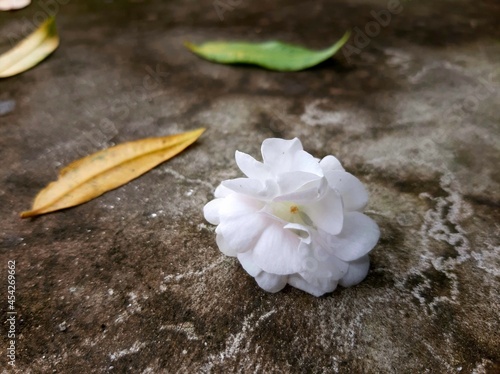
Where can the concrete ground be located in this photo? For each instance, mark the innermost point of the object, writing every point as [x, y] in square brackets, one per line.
[133, 281]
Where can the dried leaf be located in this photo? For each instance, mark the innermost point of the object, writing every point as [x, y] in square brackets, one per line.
[31, 50]
[108, 169]
[272, 55]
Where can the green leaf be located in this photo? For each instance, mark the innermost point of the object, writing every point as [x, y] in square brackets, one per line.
[31, 50]
[272, 55]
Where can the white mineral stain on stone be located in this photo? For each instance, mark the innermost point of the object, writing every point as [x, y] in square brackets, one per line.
[228, 114]
[314, 116]
[62, 326]
[335, 113]
[418, 76]
[235, 344]
[399, 58]
[443, 361]
[487, 259]
[136, 347]
[132, 308]
[447, 212]
[204, 226]
[481, 367]
[179, 176]
[193, 274]
[187, 328]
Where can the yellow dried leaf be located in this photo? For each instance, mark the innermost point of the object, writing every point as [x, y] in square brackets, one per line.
[108, 169]
[31, 50]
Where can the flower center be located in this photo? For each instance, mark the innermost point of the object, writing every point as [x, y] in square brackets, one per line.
[290, 212]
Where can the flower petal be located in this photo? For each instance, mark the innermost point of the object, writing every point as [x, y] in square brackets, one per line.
[311, 191]
[294, 181]
[301, 231]
[241, 233]
[297, 281]
[329, 163]
[322, 264]
[222, 191]
[211, 211]
[14, 4]
[245, 186]
[271, 282]
[251, 167]
[327, 213]
[240, 222]
[277, 153]
[276, 251]
[252, 187]
[357, 272]
[351, 189]
[247, 263]
[358, 237]
[237, 205]
[326, 284]
[303, 161]
[223, 246]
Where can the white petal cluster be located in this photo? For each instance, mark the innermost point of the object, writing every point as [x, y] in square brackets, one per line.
[13, 4]
[295, 219]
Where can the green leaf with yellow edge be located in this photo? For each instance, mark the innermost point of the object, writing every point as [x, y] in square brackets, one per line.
[91, 176]
[31, 50]
[271, 55]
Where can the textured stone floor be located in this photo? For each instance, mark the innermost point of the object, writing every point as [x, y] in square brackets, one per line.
[133, 281]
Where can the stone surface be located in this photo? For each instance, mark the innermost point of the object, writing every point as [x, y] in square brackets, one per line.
[133, 281]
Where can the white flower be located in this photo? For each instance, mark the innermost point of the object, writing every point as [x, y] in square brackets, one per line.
[294, 219]
[13, 4]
